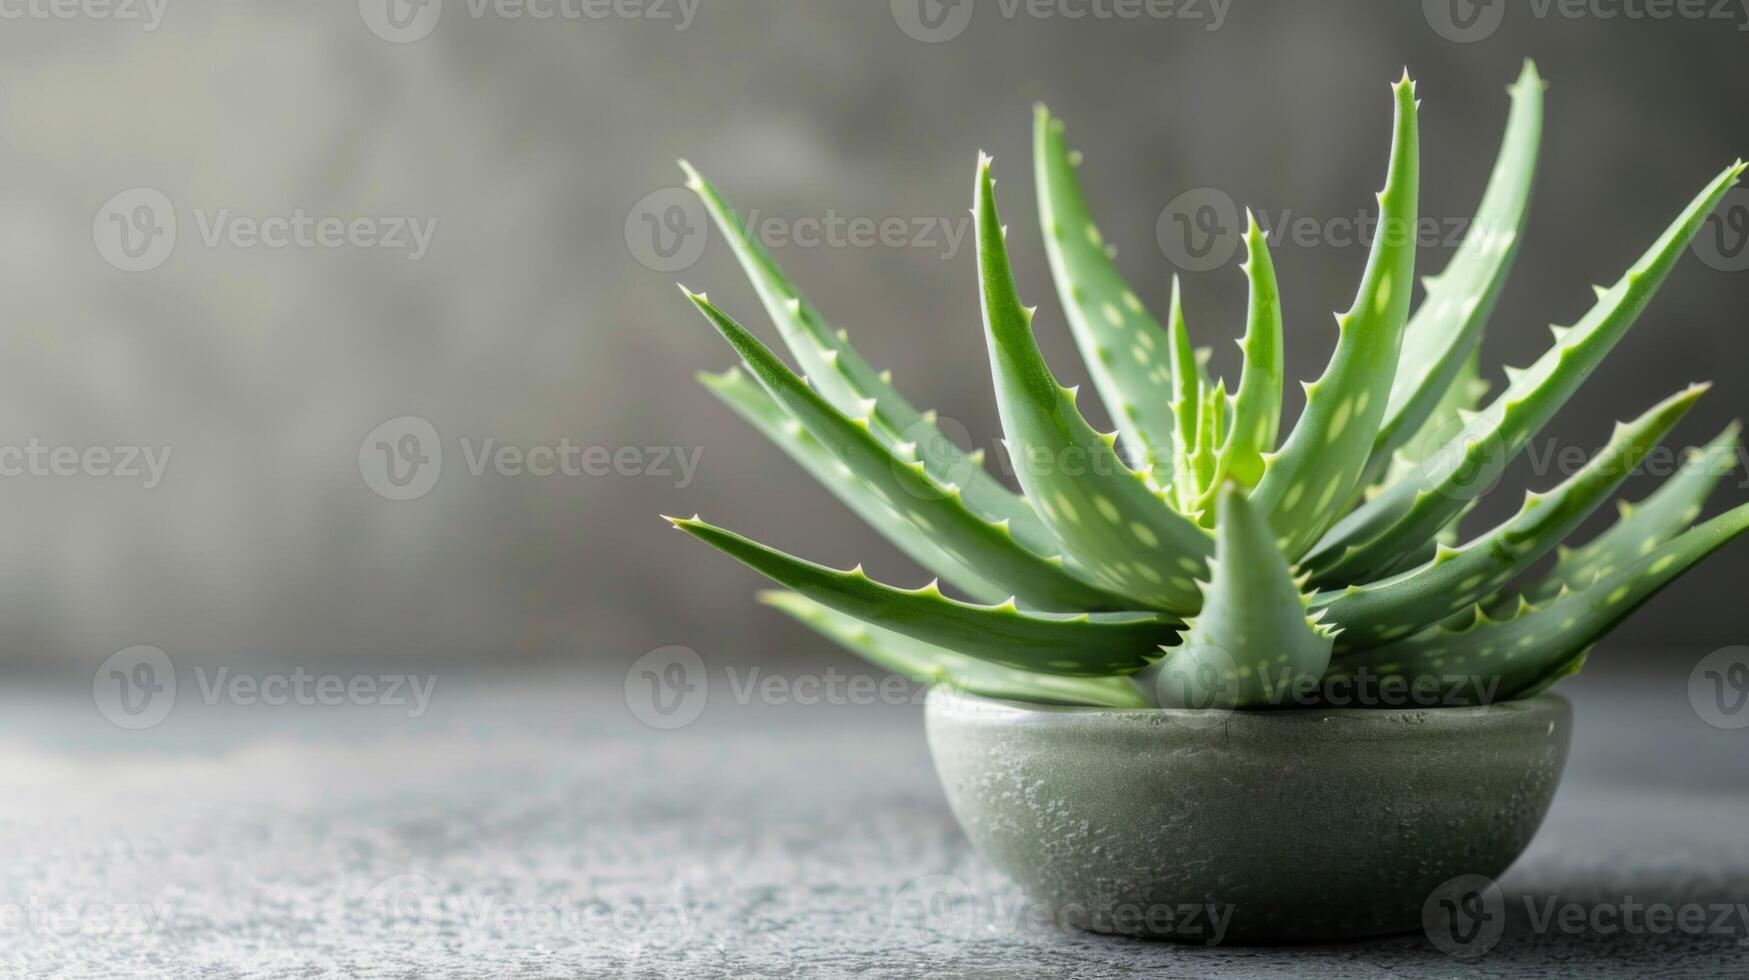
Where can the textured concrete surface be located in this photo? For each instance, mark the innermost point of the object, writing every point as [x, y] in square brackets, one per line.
[534, 827]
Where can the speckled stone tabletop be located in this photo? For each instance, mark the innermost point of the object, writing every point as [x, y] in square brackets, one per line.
[533, 826]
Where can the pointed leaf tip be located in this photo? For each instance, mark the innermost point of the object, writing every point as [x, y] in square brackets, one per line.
[694, 180]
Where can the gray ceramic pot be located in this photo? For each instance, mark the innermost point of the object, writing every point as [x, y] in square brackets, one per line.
[1294, 825]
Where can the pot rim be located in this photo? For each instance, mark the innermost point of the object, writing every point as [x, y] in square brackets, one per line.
[948, 700]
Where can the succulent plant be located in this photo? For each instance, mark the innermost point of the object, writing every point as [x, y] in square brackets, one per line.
[1211, 561]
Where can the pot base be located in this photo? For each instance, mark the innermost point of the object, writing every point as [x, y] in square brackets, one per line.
[1233, 826]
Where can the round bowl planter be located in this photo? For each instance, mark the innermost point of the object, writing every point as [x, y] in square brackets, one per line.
[1292, 826]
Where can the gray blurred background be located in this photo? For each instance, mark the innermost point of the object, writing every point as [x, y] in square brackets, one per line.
[538, 311]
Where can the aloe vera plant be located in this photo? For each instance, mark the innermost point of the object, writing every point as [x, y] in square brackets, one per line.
[1199, 556]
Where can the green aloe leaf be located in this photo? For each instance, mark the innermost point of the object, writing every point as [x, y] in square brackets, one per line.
[845, 379]
[1257, 404]
[759, 409]
[1376, 614]
[1191, 576]
[1122, 345]
[926, 663]
[1255, 641]
[1460, 401]
[1444, 332]
[1497, 660]
[1462, 398]
[1644, 526]
[1117, 529]
[1205, 460]
[1085, 645]
[1318, 470]
[905, 485]
[1188, 383]
[1414, 508]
